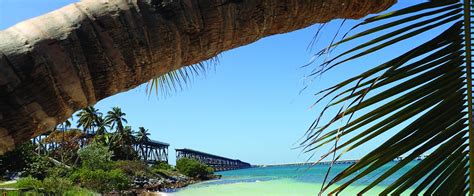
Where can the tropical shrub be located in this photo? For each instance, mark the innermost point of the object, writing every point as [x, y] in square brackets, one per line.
[193, 168]
[79, 191]
[132, 168]
[59, 171]
[100, 180]
[38, 167]
[165, 170]
[97, 173]
[118, 180]
[30, 183]
[95, 156]
[57, 185]
[162, 166]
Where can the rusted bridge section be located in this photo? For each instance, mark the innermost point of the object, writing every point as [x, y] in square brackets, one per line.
[217, 162]
[152, 151]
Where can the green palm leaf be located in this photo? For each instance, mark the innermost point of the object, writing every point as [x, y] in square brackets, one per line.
[176, 80]
[422, 97]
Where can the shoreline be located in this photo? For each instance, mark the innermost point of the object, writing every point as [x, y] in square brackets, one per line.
[171, 184]
[275, 181]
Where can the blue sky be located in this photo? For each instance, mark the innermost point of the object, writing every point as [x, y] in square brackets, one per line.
[248, 108]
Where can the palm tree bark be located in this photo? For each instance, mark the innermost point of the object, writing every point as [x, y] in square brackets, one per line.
[55, 64]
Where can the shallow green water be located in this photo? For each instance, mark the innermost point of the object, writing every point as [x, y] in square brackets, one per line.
[281, 180]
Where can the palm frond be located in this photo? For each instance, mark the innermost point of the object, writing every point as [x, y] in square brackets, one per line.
[171, 82]
[422, 99]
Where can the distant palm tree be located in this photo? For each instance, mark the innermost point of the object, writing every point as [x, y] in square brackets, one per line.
[101, 134]
[122, 143]
[141, 138]
[66, 124]
[127, 136]
[87, 118]
[142, 135]
[115, 118]
[101, 125]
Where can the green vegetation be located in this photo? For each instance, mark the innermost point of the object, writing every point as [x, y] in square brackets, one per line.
[78, 191]
[193, 168]
[165, 169]
[38, 167]
[95, 156]
[59, 171]
[30, 183]
[163, 166]
[49, 186]
[57, 185]
[100, 180]
[97, 172]
[135, 168]
[9, 185]
[108, 162]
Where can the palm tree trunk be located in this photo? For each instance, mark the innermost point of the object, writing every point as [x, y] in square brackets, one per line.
[142, 151]
[55, 64]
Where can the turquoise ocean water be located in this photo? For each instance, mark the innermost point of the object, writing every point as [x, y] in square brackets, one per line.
[282, 180]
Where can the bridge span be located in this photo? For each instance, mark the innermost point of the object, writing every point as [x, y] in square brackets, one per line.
[217, 162]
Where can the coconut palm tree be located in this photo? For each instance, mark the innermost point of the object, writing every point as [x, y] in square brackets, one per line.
[101, 125]
[87, 118]
[127, 135]
[55, 68]
[66, 125]
[116, 118]
[142, 137]
[122, 144]
[421, 99]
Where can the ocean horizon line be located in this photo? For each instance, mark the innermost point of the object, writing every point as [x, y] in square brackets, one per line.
[348, 161]
[344, 161]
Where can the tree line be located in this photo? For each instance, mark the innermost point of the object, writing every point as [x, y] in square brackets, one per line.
[110, 130]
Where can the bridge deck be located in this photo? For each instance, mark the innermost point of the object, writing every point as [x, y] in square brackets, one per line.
[219, 163]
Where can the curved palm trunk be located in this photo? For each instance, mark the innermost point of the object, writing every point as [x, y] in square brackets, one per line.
[52, 65]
